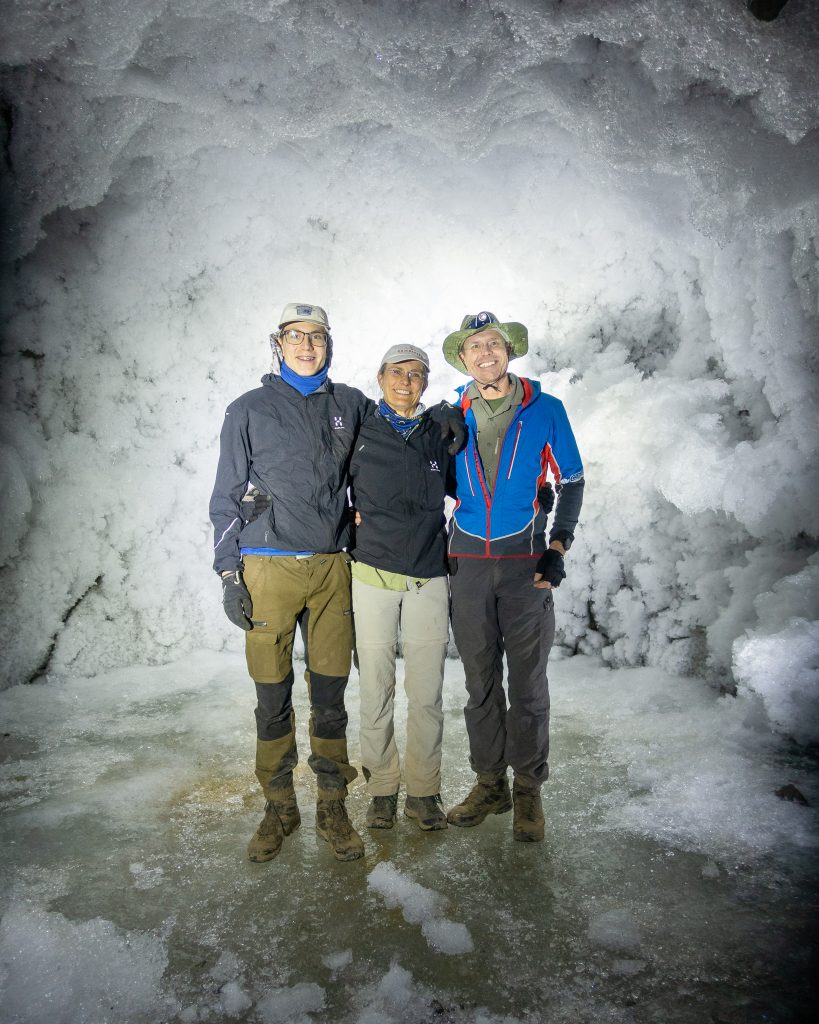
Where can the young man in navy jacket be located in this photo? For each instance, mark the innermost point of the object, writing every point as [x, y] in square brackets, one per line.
[502, 569]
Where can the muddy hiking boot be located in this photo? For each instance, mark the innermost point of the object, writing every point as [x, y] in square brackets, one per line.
[382, 810]
[281, 817]
[489, 795]
[427, 811]
[333, 825]
[528, 821]
[288, 811]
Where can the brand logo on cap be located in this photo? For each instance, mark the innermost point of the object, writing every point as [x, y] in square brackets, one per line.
[304, 310]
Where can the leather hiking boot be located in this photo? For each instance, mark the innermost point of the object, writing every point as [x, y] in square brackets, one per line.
[489, 795]
[427, 811]
[268, 838]
[382, 810]
[288, 811]
[528, 821]
[333, 825]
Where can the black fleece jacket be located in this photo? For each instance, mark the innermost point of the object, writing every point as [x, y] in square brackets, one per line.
[399, 488]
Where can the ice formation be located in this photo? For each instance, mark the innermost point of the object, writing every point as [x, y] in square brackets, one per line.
[421, 906]
[635, 181]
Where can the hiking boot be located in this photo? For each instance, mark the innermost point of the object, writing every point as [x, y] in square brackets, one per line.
[333, 825]
[528, 821]
[489, 795]
[382, 810]
[427, 811]
[268, 838]
[288, 811]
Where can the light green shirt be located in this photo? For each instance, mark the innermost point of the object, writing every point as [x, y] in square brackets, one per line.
[385, 580]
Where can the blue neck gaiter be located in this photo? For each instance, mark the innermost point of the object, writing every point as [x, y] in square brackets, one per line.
[304, 385]
[403, 425]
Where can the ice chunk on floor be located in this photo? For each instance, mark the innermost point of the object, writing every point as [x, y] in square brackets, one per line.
[291, 1004]
[233, 999]
[615, 929]
[338, 961]
[60, 970]
[420, 906]
[448, 936]
[417, 903]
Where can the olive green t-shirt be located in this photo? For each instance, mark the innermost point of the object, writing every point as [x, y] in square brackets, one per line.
[492, 417]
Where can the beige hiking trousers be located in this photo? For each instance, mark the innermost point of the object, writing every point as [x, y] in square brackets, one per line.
[422, 615]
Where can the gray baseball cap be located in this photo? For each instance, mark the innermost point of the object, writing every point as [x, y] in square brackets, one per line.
[295, 311]
[403, 352]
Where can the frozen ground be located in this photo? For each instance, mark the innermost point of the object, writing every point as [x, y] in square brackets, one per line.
[674, 886]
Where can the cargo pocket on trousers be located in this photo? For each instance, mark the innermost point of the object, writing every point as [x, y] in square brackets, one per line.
[267, 659]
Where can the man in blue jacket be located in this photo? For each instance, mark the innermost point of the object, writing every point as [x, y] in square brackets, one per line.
[502, 569]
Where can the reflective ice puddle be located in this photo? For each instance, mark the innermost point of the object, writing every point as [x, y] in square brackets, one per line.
[673, 885]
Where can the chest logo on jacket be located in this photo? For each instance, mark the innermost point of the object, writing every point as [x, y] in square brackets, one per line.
[433, 465]
[338, 423]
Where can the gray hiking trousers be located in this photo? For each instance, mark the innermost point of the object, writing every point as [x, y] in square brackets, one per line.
[497, 611]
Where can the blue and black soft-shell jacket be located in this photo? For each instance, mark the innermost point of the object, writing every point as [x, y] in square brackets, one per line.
[509, 522]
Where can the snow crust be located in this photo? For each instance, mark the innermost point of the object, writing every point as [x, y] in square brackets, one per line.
[635, 181]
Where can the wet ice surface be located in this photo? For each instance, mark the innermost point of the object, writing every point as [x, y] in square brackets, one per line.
[673, 886]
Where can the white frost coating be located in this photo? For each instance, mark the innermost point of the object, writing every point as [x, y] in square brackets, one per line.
[60, 970]
[779, 659]
[646, 174]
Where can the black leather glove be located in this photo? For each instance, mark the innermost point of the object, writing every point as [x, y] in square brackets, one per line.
[451, 421]
[546, 497]
[254, 505]
[550, 567]
[236, 600]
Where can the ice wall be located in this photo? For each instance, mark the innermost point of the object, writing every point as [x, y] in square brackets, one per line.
[634, 180]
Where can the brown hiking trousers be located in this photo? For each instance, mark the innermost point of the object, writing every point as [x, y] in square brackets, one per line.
[312, 592]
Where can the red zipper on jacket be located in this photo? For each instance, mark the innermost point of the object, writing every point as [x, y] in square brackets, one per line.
[465, 404]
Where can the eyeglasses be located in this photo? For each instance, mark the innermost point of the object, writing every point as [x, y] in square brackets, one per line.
[493, 344]
[479, 320]
[295, 338]
[413, 376]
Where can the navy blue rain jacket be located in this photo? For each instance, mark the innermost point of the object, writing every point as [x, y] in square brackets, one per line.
[295, 448]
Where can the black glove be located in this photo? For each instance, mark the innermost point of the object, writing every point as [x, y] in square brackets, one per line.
[236, 600]
[550, 567]
[451, 421]
[546, 497]
[254, 505]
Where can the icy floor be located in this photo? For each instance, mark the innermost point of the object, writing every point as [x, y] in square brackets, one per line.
[674, 886]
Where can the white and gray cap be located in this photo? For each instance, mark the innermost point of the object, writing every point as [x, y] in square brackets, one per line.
[403, 352]
[304, 311]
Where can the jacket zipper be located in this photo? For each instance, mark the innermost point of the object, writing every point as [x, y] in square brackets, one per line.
[486, 498]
